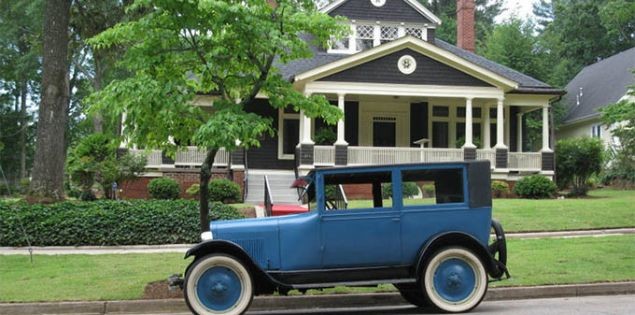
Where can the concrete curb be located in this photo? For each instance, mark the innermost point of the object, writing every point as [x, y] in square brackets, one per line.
[270, 303]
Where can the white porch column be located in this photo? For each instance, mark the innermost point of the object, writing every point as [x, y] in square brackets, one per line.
[486, 126]
[519, 132]
[545, 129]
[469, 143]
[305, 127]
[500, 125]
[340, 124]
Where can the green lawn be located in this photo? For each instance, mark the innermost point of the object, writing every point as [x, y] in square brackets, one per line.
[604, 208]
[110, 277]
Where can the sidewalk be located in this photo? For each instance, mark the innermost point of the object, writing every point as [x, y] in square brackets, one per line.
[281, 303]
[182, 248]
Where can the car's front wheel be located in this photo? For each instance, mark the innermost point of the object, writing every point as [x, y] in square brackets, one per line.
[218, 284]
[455, 280]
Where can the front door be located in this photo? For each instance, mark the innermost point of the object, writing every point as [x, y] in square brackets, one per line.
[384, 132]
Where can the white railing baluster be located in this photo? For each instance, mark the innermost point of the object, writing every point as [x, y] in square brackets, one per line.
[324, 155]
[525, 161]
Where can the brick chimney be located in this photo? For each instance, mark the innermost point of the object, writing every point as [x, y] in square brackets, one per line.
[465, 34]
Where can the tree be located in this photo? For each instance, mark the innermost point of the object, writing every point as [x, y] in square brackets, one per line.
[577, 159]
[19, 72]
[48, 166]
[222, 48]
[577, 33]
[621, 118]
[513, 44]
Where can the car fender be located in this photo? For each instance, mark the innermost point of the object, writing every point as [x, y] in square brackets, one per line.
[264, 282]
[454, 238]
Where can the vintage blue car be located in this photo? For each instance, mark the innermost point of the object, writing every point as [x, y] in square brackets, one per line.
[423, 227]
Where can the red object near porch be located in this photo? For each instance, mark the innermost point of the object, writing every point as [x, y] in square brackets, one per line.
[281, 210]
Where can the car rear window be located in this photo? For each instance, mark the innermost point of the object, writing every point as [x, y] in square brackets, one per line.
[432, 186]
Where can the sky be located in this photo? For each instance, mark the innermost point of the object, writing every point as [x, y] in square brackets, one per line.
[519, 8]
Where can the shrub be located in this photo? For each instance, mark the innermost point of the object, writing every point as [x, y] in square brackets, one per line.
[535, 186]
[164, 188]
[325, 136]
[193, 190]
[500, 188]
[578, 159]
[224, 190]
[428, 190]
[106, 222]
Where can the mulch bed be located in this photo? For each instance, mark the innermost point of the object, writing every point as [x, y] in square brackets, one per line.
[159, 290]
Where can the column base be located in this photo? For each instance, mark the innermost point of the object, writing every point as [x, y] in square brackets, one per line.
[341, 154]
[548, 161]
[469, 153]
[306, 154]
[501, 158]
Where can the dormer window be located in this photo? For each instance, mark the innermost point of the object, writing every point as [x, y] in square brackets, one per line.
[366, 35]
[388, 33]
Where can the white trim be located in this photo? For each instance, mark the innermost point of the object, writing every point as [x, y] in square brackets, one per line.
[281, 116]
[417, 45]
[413, 3]
[390, 89]
[378, 3]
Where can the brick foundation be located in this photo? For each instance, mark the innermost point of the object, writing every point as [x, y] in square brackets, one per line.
[137, 188]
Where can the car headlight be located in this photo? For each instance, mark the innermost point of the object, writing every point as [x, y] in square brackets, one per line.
[207, 236]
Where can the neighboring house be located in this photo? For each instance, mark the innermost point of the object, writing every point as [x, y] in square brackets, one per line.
[600, 84]
[407, 97]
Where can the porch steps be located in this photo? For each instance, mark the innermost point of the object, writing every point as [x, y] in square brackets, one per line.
[279, 181]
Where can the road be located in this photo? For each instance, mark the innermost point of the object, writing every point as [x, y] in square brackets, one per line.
[614, 305]
[620, 304]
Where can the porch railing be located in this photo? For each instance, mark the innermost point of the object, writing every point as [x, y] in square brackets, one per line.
[189, 157]
[381, 155]
[324, 155]
[193, 156]
[486, 154]
[525, 161]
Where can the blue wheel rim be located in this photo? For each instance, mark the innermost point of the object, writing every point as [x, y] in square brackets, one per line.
[454, 280]
[219, 288]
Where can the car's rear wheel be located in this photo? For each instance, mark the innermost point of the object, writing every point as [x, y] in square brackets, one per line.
[218, 284]
[455, 280]
[413, 294]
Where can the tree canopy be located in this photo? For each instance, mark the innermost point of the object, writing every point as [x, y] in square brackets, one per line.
[223, 49]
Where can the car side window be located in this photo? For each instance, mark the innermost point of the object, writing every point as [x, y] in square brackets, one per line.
[432, 186]
[359, 190]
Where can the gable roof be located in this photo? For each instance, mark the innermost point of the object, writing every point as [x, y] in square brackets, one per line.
[525, 83]
[416, 5]
[600, 84]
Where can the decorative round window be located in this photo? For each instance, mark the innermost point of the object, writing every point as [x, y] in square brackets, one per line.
[407, 64]
[378, 3]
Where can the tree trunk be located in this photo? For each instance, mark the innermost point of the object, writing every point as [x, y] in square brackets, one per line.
[23, 129]
[50, 154]
[206, 175]
[98, 118]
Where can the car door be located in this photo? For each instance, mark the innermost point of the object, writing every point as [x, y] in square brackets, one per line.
[360, 237]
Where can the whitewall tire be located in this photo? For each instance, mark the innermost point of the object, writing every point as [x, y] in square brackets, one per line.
[218, 284]
[455, 280]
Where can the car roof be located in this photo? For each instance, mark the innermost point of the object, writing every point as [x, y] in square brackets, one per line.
[400, 165]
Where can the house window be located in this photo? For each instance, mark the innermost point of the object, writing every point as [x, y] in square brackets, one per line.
[388, 33]
[342, 44]
[596, 131]
[365, 37]
[440, 111]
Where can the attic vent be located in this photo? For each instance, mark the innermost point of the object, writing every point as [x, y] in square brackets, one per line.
[378, 3]
[578, 97]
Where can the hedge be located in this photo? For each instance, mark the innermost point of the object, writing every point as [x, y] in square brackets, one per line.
[105, 222]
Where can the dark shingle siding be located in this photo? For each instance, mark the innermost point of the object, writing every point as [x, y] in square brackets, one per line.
[385, 70]
[602, 83]
[393, 11]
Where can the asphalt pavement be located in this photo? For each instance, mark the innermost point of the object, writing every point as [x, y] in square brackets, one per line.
[615, 305]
